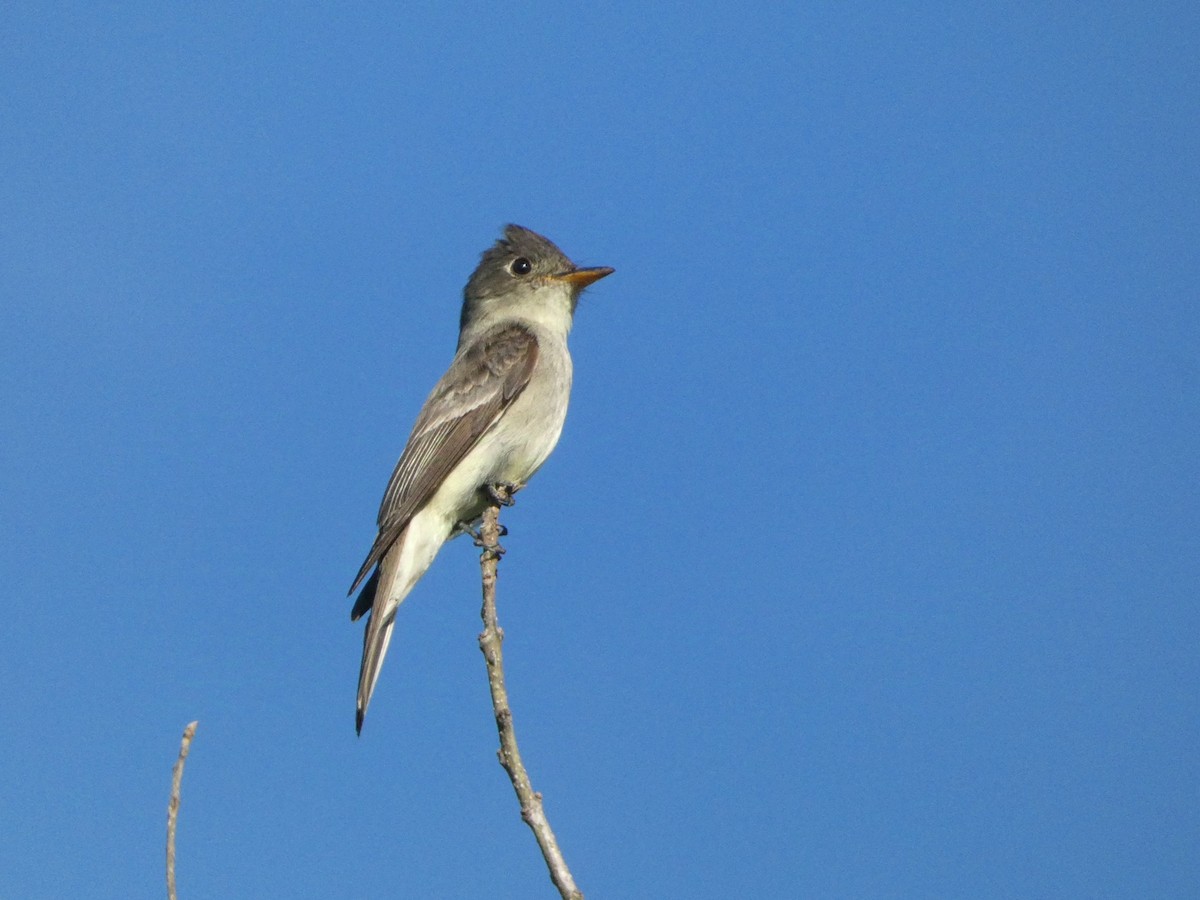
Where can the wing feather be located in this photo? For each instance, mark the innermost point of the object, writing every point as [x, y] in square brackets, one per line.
[485, 378]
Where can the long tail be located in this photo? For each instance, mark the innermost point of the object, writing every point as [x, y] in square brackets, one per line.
[401, 568]
[378, 633]
[375, 645]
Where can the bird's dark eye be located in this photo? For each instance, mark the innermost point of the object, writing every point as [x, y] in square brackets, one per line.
[521, 266]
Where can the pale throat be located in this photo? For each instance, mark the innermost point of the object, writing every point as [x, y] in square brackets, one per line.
[549, 311]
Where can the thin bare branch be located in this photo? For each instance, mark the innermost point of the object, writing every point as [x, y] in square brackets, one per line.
[510, 757]
[173, 807]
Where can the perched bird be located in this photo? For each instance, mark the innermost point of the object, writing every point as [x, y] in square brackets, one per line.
[489, 423]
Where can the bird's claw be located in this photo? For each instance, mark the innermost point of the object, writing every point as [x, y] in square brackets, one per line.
[476, 534]
[502, 494]
[465, 528]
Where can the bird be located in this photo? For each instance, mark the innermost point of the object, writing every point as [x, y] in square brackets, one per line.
[487, 426]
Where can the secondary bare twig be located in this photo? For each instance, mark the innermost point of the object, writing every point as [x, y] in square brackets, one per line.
[173, 807]
[510, 757]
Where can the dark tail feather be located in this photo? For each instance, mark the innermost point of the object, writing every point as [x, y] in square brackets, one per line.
[366, 597]
[376, 637]
[379, 597]
[360, 711]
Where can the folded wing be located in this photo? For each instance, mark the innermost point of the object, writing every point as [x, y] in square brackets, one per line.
[485, 378]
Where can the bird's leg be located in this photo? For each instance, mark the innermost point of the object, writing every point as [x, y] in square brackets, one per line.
[502, 494]
[465, 527]
[499, 494]
[475, 533]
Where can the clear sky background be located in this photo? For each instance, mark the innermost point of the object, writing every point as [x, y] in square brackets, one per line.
[867, 565]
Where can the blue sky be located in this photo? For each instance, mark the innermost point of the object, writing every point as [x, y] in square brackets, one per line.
[867, 565]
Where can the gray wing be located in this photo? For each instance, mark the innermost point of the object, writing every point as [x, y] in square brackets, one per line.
[484, 379]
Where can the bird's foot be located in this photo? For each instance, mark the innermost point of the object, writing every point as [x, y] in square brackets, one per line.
[467, 528]
[475, 533]
[502, 494]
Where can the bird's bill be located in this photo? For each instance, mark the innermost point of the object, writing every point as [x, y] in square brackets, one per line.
[583, 277]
